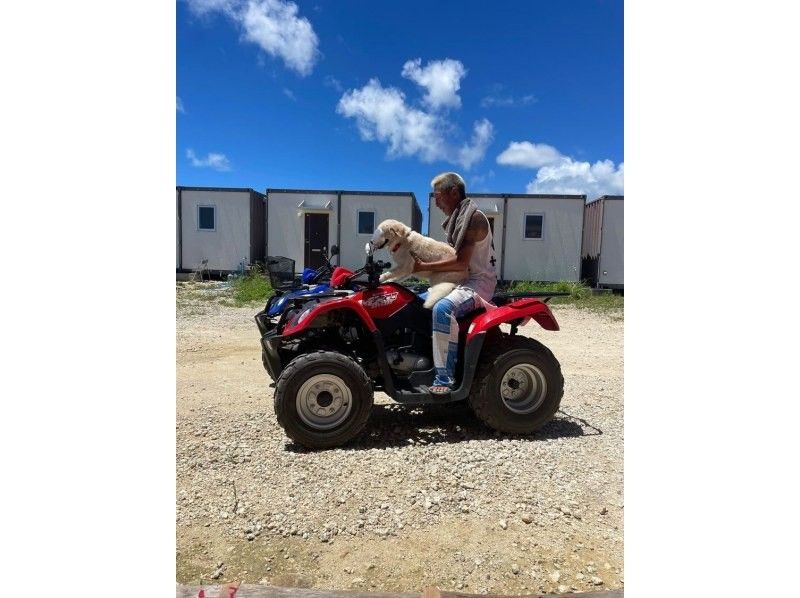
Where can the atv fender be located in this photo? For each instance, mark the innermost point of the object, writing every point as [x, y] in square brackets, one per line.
[296, 326]
[524, 309]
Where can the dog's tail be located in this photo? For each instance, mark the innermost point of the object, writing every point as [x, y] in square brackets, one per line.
[438, 291]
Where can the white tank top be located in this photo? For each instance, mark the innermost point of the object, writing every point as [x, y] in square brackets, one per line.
[482, 275]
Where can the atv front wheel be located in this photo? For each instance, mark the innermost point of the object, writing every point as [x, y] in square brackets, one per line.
[323, 399]
[518, 387]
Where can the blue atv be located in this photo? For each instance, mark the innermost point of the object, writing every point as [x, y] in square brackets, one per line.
[310, 284]
[287, 288]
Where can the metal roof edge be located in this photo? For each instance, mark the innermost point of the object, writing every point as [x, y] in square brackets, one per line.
[500, 195]
[544, 196]
[234, 189]
[393, 193]
[344, 192]
[521, 195]
[606, 197]
[334, 191]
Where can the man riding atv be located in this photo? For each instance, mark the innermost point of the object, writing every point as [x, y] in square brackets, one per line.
[329, 353]
[469, 234]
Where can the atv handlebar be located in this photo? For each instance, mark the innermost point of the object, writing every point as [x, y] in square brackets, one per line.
[372, 268]
[373, 271]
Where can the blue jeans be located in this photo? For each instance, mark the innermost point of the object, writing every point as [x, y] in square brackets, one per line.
[459, 302]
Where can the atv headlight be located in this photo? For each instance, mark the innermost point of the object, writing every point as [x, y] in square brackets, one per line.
[305, 313]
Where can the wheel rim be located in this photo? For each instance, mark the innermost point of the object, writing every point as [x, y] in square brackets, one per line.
[324, 401]
[523, 388]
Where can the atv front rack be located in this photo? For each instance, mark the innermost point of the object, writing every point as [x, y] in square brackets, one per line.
[505, 298]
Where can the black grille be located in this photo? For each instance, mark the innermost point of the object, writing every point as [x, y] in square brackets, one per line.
[281, 271]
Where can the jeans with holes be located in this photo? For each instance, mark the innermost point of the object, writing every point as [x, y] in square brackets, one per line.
[459, 302]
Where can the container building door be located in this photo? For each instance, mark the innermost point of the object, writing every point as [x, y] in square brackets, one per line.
[316, 239]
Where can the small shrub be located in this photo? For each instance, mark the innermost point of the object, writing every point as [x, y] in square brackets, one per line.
[252, 286]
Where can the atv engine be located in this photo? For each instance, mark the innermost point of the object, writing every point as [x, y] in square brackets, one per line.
[404, 362]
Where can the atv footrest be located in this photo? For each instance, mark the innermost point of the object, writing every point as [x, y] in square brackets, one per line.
[420, 396]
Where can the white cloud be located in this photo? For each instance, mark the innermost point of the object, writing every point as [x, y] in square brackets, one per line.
[499, 97]
[441, 78]
[274, 25]
[479, 179]
[558, 173]
[179, 104]
[572, 177]
[529, 155]
[205, 7]
[490, 101]
[215, 161]
[470, 153]
[289, 94]
[333, 82]
[382, 114]
[506, 101]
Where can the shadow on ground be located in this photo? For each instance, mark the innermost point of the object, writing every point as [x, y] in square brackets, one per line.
[392, 426]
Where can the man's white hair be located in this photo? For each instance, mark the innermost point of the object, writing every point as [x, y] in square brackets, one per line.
[450, 179]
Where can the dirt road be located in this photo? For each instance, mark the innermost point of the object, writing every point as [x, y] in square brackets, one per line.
[425, 496]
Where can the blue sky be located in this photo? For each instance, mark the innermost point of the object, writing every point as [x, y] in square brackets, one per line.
[518, 97]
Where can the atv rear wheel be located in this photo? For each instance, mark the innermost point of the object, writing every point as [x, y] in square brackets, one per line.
[518, 386]
[322, 399]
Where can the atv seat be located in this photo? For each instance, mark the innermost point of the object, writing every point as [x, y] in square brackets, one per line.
[467, 317]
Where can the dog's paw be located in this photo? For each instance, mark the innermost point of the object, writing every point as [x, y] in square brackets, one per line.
[385, 277]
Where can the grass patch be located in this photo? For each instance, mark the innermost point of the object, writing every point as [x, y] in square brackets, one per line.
[580, 295]
[252, 286]
[576, 290]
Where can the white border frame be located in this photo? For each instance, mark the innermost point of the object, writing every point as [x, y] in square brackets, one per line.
[207, 230]
[524, 220]
[358, 216]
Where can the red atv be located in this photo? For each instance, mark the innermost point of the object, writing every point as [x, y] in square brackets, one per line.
[329, 353]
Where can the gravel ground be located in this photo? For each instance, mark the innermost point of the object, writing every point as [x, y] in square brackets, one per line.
[425, 497]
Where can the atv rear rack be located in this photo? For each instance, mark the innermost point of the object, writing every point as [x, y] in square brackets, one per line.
[505, 298]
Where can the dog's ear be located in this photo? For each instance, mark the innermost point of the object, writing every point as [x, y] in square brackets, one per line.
[397, 229]
[407, 232]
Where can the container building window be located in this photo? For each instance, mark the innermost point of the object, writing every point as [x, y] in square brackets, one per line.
[206, 218]
[534, 226]
[366, 223]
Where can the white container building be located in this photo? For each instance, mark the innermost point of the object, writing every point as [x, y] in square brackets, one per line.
[603, 254]
[536, 237]
[219, 229]
[304, 223]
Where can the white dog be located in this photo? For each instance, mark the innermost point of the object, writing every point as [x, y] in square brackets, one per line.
[401, 242]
